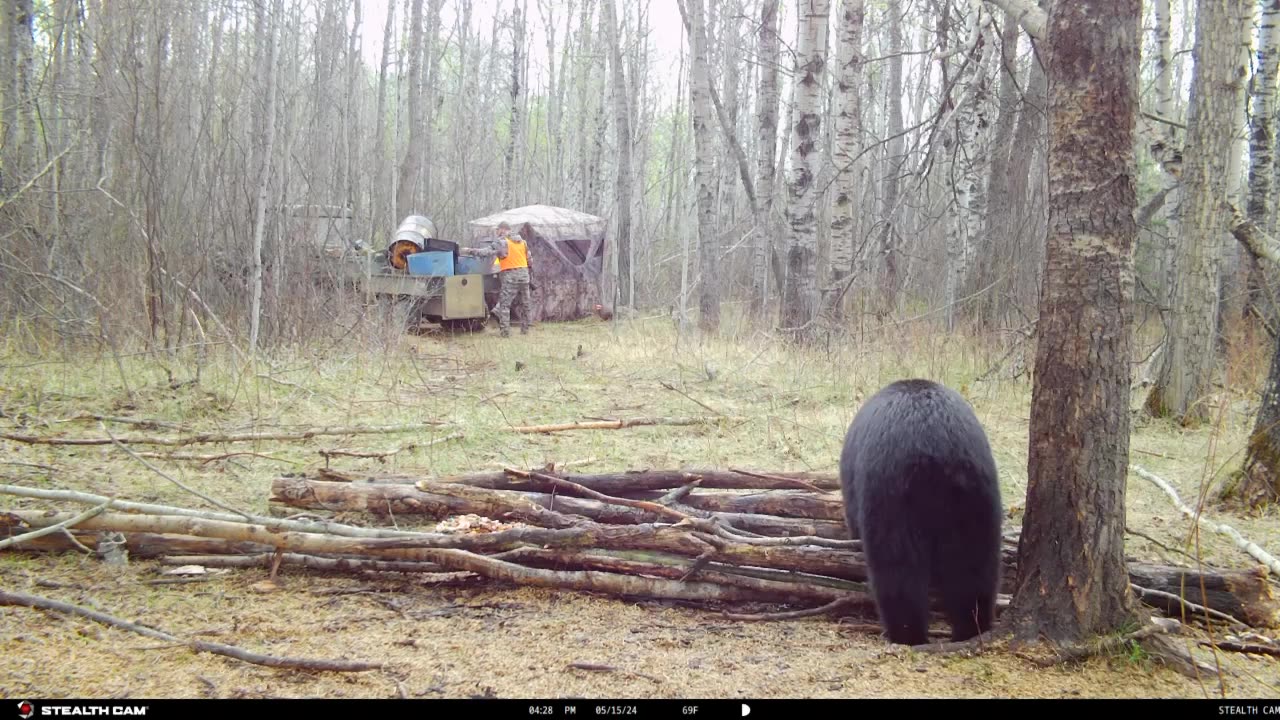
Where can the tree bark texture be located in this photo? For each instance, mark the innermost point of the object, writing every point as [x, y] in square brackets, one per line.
[1072, 581]
[1190, 357]
[998, 244]
[1168, 135]
[269, 48]
[709, 260]
[407, 198]
[1259, 482]
[889, 241]
[622, 123]
[767, 133]
[1262, 141]
[800, 295]
[970, 159]
[513, 181]
[848, 143]
[456, 499]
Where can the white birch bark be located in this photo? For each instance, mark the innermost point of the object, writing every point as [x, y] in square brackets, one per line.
[270, 54]
[800, 291]
[1262, 141]
[848, 143]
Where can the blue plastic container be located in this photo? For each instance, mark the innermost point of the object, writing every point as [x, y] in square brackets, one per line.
[475, 266]
[431, 263]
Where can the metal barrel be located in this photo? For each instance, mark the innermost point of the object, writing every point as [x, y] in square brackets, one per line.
[411, 235]
[420, 225]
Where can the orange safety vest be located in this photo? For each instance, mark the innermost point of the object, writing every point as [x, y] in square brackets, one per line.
[517, 256]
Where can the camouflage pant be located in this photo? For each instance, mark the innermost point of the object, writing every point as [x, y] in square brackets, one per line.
[515, 285]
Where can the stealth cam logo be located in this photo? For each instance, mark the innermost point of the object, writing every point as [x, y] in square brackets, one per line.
[25, 710]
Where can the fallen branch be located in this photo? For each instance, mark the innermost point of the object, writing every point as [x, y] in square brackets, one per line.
[281, 540]
[20, 599]
[223, 438]
[140, 422]
[624, 423]
[761, 590]
[144, 544]
[595, 667]
[823, 481]
[1240, 647]
[311, 562]
[559, 483]
[437, 501]
[175, 481]
[208, 458]
[327, 453]
[1243, 594]
[581, 534]
[618, 483]
[1252, 549]
[270, 523]
[780, 503]
[1146, 594]
[55, 528]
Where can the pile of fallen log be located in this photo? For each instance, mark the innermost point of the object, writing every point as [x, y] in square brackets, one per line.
[739, 541]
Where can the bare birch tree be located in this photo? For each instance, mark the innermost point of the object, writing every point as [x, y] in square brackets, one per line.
[800, 290]
[701, 113]
[411, 164]
[622, 125]
[1260, 300]
[894, 157]
[848, 141]
[766, 147]
[269, 54]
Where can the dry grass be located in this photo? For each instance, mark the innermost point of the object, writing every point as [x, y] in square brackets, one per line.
[471, 639]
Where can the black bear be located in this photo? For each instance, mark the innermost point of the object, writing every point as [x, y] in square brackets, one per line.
[920, 491]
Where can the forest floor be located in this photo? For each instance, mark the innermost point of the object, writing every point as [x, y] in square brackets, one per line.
[477, 638]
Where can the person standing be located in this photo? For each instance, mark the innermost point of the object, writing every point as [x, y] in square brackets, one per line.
[515, 273]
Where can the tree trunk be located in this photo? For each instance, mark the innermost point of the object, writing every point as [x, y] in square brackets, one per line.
[848, 142]
[430, 92]
[998, 245]
[1025, 186]
[1262, 140]
[622, 123]
[970, 128]
[767, 127]
[800, 292]
[270, 54]
[383, 152]
[1072, 581]
[1167, 108]
[709, 259]
[411, 166]
[1259, 481]
[896, 148]
[1188, 362]
[515, 143]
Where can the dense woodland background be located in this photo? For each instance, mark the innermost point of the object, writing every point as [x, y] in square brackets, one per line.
[819, 166]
